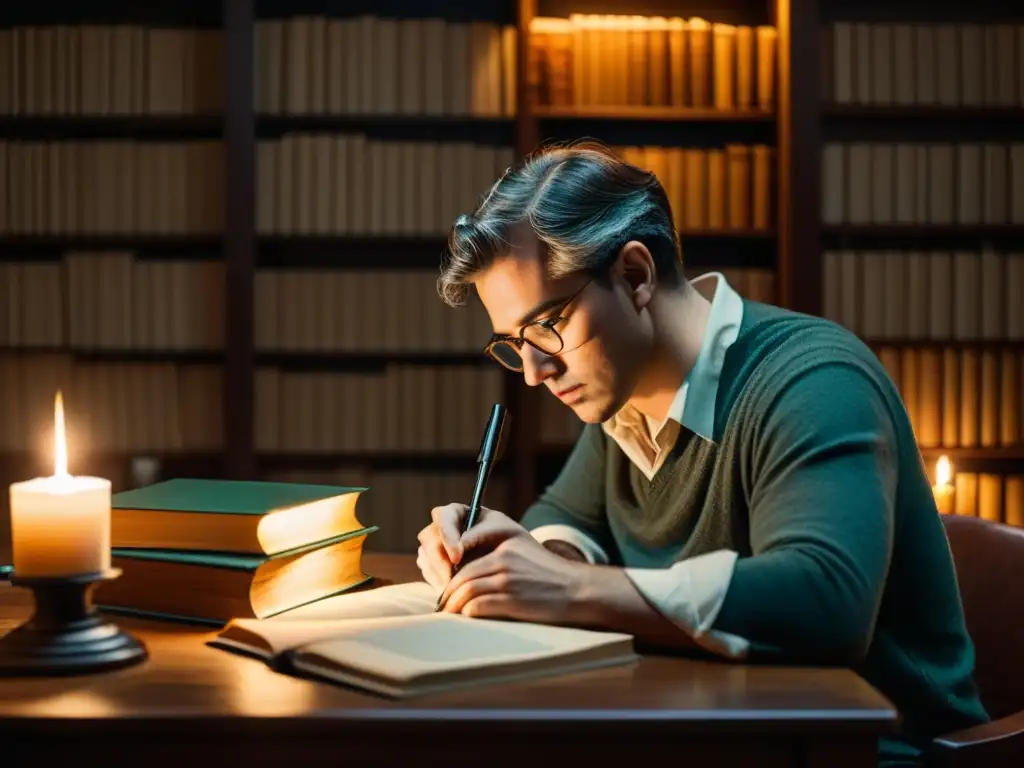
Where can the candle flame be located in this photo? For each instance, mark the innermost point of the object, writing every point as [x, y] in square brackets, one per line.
[60, 446]
[943, 471]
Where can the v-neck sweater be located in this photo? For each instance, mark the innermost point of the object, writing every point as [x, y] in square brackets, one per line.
[815, 479]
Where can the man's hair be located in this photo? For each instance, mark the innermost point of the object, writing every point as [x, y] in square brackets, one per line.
[582, 202]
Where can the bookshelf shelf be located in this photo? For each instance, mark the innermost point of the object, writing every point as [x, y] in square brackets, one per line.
[931, 230]
[942, 237]
[726, 234]
[52, 246]
[1008, 453]
[977, 343]
[497, 130]
[923, 113]
[434, 461]
[181, 357]
[657, 114]
[152, 127]
[340, 251]
[365, 361]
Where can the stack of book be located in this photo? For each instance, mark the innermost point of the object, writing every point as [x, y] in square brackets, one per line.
[210, 551]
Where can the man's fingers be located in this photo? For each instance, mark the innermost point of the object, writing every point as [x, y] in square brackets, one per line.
[490, 532]
[482, 567]
[493, 605]
[434, 555]
[431, 573]
[474, 590]
[449, 520]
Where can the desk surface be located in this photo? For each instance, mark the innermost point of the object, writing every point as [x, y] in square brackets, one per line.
[190, 687]
[186, 677]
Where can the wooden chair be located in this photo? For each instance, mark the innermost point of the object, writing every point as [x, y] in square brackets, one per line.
[989, 560]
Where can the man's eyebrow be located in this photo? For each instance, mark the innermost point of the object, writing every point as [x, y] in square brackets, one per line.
[532, 315]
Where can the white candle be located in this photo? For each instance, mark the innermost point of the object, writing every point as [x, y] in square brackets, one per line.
[60, 525]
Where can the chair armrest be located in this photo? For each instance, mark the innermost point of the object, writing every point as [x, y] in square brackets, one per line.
[990, 744]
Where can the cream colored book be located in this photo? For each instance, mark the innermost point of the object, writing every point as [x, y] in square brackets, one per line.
[390, 641]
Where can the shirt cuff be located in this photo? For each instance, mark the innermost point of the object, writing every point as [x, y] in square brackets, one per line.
[590, 548]
[690, 593]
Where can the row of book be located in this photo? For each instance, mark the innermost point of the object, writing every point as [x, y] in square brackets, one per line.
[990, 496]
[720, 188]
[918, 295]
[637, 61]
[312, 64]
[106, 301]
[103, 187]
[112, 300]
[376, 311]
[310, 183]
[110, 407]
[110, 69]
[959, 397]
[937, 64]
[395, 409]
[398, 502]
[926, 183]
[348, 183]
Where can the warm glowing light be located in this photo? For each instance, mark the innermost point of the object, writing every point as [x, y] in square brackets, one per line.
[943, 489]
[60, 525]
[60, 442]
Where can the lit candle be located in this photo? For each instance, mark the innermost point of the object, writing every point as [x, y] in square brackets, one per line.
[60, 525]
[943, 488]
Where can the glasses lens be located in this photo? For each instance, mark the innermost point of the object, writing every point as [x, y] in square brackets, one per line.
[507, 355]
[543, 338]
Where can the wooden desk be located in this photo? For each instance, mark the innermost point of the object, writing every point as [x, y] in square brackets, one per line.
[194, 705]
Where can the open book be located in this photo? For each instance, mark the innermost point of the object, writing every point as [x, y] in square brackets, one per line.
[389, 641]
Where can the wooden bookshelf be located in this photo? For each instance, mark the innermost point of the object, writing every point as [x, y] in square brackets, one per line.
[658, 114]
[945, 211]
[787, 255]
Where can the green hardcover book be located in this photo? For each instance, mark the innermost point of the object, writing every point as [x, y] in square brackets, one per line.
[217, 586]
[252, 517]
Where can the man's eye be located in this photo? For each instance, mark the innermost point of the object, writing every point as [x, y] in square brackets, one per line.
[549, 323]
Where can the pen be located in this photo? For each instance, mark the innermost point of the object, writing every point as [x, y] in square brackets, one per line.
[491, 447]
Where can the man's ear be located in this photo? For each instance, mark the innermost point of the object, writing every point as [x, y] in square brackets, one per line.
[635, 265]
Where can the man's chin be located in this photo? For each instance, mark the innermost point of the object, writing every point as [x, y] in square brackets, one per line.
[590, 412]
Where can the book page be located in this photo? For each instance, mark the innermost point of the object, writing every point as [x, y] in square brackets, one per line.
[392, 600]
[441, 649]
[326, 617]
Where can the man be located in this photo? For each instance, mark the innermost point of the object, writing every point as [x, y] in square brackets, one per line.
[747, 481]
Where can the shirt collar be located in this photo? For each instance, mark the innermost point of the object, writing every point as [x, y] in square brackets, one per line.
[694, 403]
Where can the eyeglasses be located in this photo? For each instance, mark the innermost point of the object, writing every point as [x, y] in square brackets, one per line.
[540, 334]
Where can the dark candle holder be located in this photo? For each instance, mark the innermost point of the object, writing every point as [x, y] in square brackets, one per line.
[66, 635]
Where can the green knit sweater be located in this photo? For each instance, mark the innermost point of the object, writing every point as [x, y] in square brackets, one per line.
[815, 479]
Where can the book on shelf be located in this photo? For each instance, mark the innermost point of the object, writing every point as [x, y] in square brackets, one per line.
[922, 183]
[946, 64]
[589, 60]
[390, 641]
[112, 69]
[376, 65]
[240, 516]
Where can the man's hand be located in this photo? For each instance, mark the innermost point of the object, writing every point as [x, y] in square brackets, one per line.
[442, 544]
[518, 579]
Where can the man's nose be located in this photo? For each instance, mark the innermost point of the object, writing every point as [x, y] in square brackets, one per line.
[536, 365]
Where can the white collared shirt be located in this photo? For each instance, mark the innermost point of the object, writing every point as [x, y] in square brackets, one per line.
[689, 593]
